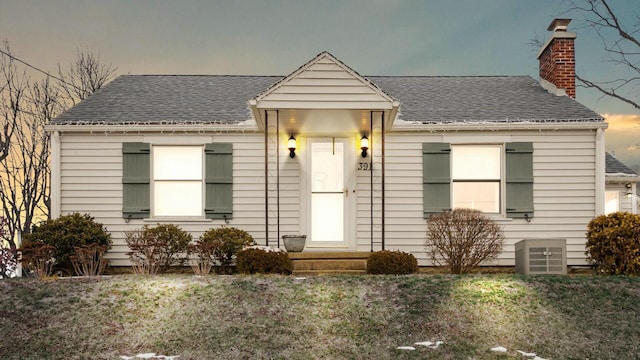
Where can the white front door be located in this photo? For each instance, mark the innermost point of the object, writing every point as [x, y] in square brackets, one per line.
[330, 183]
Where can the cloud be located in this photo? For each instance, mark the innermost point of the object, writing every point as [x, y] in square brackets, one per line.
[623, 138]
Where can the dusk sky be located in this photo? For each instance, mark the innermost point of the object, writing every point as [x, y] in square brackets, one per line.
[377, 37]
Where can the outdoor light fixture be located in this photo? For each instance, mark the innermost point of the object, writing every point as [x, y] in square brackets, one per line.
[628, 193]
[364, 145]
[292, 147]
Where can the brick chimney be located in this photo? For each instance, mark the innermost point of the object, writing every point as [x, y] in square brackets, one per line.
[558, 60]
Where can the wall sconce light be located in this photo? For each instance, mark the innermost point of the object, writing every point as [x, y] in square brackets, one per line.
[292, 147]
[628, 193]
[364, 145]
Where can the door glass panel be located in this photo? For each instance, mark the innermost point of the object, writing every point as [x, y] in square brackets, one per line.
[327, 217]
[327, 185]
[327, 166]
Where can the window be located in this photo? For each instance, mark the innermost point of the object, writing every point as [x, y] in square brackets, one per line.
[611, 201]
[183, 181]
[177, 181]
[476, 177]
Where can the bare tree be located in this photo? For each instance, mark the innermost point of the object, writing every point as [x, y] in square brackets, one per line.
[84, 76]
[12, 92]
[25, 170]
[26, 106]
[621, 44]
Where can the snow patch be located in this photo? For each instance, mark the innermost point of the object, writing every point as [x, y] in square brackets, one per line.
[499, 349]
[405, 348]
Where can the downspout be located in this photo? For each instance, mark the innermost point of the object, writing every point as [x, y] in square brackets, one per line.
[600, 172]
[266, 177]
[54, 191]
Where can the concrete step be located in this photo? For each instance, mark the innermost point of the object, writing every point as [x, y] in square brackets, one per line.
[329, 262]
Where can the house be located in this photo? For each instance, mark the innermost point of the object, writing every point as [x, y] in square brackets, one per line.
[355, 162]
[621, 193]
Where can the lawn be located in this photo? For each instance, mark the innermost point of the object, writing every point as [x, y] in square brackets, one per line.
[330, 317]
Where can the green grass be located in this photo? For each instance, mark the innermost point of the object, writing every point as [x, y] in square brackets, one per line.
[342, 317]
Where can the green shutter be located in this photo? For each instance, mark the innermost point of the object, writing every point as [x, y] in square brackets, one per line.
[519, 180]
[135, 180]
[219, 181]
[436, 174]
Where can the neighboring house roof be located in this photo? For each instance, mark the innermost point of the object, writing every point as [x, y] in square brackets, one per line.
[616, 169]
[221, 99]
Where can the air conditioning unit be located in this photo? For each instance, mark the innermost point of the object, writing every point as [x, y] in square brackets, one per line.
[541, 256]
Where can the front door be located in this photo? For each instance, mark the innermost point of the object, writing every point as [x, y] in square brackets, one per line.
[330, 183]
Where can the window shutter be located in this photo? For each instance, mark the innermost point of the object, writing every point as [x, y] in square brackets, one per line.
[519, 179]
[136, 170]
[436, 174]
[218, 181]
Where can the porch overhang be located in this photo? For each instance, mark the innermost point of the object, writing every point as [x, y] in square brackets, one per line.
[323, 86]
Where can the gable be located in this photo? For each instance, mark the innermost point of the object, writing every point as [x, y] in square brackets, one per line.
[324, 83]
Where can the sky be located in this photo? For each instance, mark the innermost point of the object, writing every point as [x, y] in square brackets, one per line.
[275, 37]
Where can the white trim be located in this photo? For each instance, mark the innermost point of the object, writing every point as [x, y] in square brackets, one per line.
[634, 198]
[115, 129]
[470, 126]
[54, 191]
[600, 172]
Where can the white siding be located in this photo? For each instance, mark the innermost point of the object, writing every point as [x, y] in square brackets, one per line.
[91, 170]
[564, 187]
[564, 191]
[324, 84]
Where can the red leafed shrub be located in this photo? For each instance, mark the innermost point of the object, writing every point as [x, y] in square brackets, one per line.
[613, 243]
[462, 239]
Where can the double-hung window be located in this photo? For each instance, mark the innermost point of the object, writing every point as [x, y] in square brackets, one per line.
[177, 181]
[492, 178]
[476, 177]
[171, 180]
[611, 201]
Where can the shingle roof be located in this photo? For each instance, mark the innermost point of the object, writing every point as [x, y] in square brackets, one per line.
[614, 166]
[136, 99]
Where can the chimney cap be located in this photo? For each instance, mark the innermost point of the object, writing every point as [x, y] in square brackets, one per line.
[559, 25]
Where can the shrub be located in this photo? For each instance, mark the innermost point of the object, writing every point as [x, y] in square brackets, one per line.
[156, 248]
[67, 232]
[88, 260]
[227, 242]
[202, 256]
[461, 239]
[264, 261]
[37, 258]
[391, 262]
[8, 261]
[613, 243]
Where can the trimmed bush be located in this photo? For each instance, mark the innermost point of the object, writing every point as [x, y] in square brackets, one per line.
[613, 243]
[262, 261]
[462, 239]
[391, 262]
[227, 241]
[157, 248]
[67, 232]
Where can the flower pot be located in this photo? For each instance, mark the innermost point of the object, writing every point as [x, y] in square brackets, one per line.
[294, 243]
